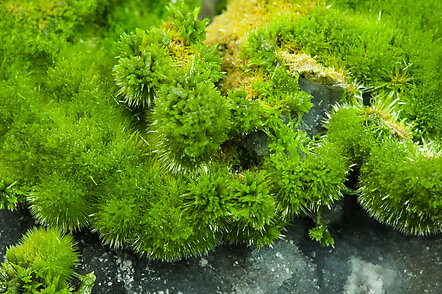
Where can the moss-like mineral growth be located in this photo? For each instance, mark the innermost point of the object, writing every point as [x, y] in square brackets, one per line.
[169, 135]
[43, 262]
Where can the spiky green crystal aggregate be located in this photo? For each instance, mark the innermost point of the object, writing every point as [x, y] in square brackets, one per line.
[43, 262]
[402, 187]
[147, 149]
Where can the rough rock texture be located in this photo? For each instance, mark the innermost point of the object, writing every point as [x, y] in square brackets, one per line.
[257, 144]
[324, 97]
[333, 215]
[368, 258]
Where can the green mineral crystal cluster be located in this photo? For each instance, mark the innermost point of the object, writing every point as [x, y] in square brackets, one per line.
[131, 118]
[43, 262]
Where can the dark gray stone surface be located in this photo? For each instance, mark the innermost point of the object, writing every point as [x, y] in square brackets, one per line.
[368, 258]
[324, 97]
[257, 144]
